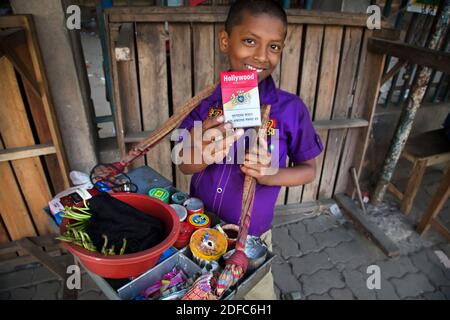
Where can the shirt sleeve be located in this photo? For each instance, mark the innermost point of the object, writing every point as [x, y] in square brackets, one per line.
[305, 144]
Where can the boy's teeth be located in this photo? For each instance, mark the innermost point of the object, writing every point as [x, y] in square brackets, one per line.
[252, 68]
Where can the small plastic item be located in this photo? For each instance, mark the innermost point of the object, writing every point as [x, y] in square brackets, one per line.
[160, 194]
[180, 210]
[179, 198]
[184, 236]
[199, 220]
[207, 245]
[194, 206]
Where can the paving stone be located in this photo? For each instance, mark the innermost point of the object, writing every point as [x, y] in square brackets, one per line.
[43, 274]
[47, 291]
[325, 296]
[91, 295]
[322, 281]
[396, 267]
[88, 284]
[435, 259]
[310, 263]
[412, 285]
[434, 296]
[423, 262]
[352, 254]
[16, 279]
[25, 293]
[387, 290]
[286, 243]
[320, 223]
[357, 282]
[332, 237]
[306, 242]
[284, 278]
[341, 294]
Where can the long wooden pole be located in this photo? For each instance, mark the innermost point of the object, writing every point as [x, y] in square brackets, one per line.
[418, 89]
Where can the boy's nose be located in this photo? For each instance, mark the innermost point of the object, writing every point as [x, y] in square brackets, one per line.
[261, 55]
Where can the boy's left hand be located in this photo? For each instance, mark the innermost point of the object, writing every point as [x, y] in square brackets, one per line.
[257, 164]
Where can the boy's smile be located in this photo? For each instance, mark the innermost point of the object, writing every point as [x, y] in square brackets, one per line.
[255, 44]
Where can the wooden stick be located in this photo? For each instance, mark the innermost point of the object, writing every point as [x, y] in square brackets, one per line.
[358, 190]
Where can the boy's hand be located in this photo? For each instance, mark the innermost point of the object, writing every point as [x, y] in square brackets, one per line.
[216, 139]
[258, 162]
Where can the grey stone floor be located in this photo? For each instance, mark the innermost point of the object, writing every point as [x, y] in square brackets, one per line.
[318, 256]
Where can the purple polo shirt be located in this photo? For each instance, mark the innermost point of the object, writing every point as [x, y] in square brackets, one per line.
[220, 186]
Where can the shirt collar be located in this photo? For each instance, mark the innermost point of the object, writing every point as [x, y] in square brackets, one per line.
[267, 92]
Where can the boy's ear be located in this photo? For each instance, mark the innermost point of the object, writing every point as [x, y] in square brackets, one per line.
[224, 41]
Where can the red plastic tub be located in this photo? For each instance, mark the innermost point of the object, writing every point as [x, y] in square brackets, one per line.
[134, 264]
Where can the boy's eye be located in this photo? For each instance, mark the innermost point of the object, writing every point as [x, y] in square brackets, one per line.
[275, 47]
[249, 41]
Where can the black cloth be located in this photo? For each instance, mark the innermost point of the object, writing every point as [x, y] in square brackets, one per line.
[118, 220]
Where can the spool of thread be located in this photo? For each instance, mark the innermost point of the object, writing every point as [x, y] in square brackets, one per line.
[184, 236]
[199, 220]
[159, 193]
[231, 232]
[207, 245]
[194, 205]
[179, 198]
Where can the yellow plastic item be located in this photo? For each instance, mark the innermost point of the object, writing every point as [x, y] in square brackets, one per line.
[208, 244]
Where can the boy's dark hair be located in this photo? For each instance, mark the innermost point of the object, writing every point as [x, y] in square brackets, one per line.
[253, 7]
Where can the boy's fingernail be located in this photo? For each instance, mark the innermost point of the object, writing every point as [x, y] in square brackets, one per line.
[239, 132]
[220, 119]
[228, 125]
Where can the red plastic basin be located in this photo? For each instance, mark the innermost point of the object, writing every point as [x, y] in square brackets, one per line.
[134, 264]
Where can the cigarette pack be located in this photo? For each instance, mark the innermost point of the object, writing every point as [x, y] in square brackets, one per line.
[240, 98]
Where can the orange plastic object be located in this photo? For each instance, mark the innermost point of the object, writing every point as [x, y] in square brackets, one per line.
[208, 244]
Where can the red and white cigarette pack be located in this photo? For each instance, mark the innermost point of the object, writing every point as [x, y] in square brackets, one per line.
[240, 98]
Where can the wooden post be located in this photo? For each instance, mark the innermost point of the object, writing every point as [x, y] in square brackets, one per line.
[407, 117]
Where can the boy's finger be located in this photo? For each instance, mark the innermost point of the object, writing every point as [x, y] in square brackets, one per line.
[212, 122]
[250, 172]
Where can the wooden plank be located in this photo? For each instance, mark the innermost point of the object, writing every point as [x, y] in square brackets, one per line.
[394, 190]
[203, 36]
[47, 103]
[129, 89]
[439, 60]
[437, 202]
[5, 239]
[378, 237]
[220, 60]
[208, 14]
[342, 104]
[325, 97]
[40, 121]
[26, 152]
[16, 132]
[367, 86]
[47, 241]
[413, 186]
[340, 124]
[181, 70]
[118, 111]
[151, 50]
[307, 91]
[13, 209]
[393, 71]
[42, 257]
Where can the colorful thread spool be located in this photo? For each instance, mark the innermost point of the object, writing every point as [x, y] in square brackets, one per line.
[199, 220]
[180, 210]
[160, 194]
[179, 198]
[207, 245]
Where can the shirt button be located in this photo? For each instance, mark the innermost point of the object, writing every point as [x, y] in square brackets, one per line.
[219, 190]
[228, 158]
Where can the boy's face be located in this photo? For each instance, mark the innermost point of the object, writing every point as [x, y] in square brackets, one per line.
[255, 44]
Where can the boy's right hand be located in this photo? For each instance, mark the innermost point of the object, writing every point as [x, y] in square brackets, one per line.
[217, 137]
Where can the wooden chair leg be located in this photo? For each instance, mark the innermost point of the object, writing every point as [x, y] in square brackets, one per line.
[437, 202]
[413, 186]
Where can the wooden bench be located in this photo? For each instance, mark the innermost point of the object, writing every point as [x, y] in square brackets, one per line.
[423, 150]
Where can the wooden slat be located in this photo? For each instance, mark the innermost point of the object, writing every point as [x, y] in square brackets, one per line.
[325, 96]
[340, 124]
[40, 120]
[357, 216]
[310, 70]
[16, 132]
[290, 68]
[14, 211]
[181, 70]
[342, 103]
[439, 60]
[220, 60]
[151, 49]
[366, 95]
[205, 14]
[5, 239]
[129, 90]
[203, 35]
[26, 152]
[38, 67]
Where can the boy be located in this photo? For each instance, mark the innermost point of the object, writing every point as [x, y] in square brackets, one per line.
[253, 39]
